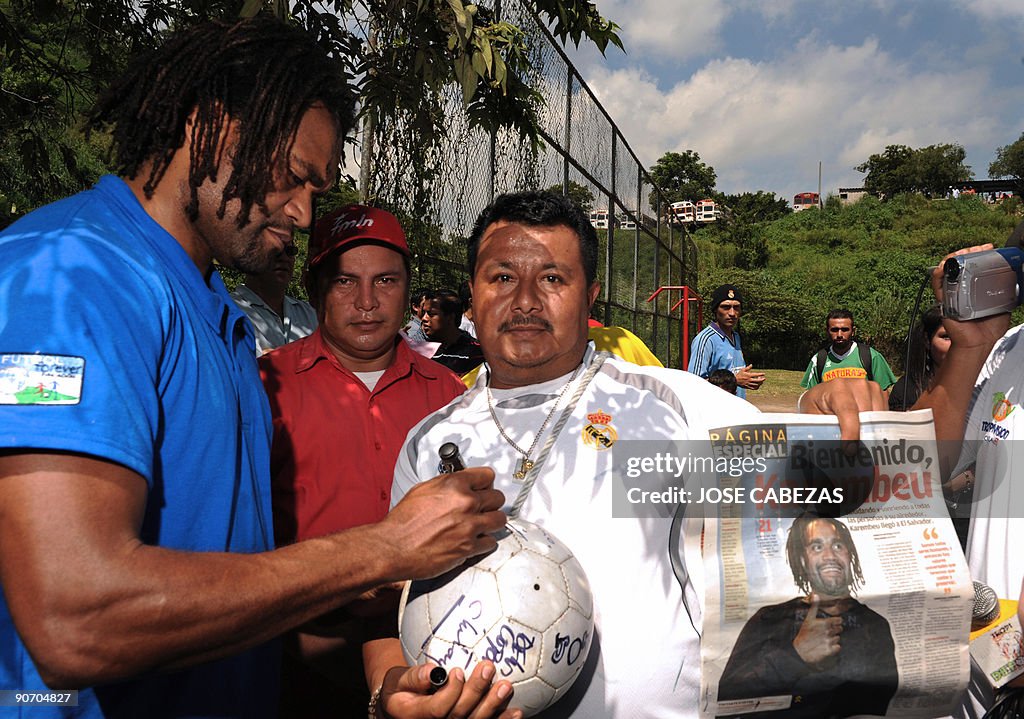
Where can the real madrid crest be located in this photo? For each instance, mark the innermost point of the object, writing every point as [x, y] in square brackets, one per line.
[732, 295]
[599, 433]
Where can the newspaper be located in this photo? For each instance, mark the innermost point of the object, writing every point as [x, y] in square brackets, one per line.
[866, 614]
[996, 648]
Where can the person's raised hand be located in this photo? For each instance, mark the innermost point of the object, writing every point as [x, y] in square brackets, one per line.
[442, 522]
[845, 398]
[981, 333]
[748, 379]
[819, 637]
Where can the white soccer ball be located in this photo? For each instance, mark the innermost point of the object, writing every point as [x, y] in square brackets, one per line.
[526, 606]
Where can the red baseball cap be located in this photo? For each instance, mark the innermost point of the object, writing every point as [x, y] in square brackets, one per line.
[354, 224]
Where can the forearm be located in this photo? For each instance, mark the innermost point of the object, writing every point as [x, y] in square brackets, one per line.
[949, 398]
[157, 609]
[92, 603]
[949, 394]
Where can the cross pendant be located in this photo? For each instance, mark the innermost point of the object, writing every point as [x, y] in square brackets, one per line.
[525, 465]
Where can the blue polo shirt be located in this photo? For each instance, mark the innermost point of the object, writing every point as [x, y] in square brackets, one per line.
[711, 350]
[113, 345]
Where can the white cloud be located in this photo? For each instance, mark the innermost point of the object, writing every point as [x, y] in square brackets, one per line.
[999, 10]
[765, 125]
[668, 29]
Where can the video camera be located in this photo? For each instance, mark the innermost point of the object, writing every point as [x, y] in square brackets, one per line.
[984, 283]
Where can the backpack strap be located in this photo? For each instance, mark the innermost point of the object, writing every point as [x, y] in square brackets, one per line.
[819, 363]
[865, 359]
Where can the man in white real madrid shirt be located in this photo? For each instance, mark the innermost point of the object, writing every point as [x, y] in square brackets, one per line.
[532, 259]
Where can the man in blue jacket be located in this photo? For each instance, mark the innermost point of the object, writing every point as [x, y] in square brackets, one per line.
[718, 345]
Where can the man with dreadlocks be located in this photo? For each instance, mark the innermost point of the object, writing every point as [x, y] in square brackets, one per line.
[832, 654]
[136, 559]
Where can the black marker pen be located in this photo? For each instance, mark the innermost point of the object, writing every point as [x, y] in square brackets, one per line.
[451, 460]
[438, 678]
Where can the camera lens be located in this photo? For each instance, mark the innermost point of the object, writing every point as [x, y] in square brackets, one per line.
[951, 270]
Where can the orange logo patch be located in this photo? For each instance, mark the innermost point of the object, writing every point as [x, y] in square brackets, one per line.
[599, 434]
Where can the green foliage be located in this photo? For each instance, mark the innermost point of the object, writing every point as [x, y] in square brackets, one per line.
[576, 19]
[870, 257]
[833, 203]
[57, 55]
[928, 170]
[52, 59]
[757, 206]
[682, 176]
[417, 48]
[743, 228]
[743, 234]
[774, 325]
[1009, 162]
[580, 194]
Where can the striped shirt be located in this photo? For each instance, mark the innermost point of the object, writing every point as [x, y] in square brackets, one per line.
[711, 350]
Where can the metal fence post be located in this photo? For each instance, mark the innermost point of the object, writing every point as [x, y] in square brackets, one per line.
[610, 246]
[636, 247]
[573, 152]
[568, 130]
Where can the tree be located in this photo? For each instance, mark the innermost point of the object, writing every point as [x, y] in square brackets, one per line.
[580, 194]
[682, 176]
[413, 49]
[937, 167]
[401, 55]
[751, 246]
[888, 174]
[56, 57]
[929, 170]
[757, 206]
[1009, 162]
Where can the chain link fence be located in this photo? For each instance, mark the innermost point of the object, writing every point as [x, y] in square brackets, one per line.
[439, 194]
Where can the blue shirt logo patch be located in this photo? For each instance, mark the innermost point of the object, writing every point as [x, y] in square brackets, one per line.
[41, 379]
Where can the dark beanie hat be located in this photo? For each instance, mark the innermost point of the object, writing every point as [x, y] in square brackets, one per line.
[723, 293]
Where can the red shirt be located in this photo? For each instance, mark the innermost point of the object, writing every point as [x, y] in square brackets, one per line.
[336, 442]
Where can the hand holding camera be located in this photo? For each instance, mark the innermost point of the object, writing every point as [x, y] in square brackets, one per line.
[982, 284]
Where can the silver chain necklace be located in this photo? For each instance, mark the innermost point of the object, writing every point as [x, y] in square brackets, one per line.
[526, 464]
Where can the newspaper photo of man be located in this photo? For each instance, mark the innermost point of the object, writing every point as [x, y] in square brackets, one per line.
[832, 654]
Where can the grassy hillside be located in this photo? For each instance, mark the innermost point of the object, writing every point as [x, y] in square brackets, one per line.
[870, 257]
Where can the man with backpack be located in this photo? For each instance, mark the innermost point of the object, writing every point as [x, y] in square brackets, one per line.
[846, 358]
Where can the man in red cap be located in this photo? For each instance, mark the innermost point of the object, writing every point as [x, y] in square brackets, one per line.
[342, 401]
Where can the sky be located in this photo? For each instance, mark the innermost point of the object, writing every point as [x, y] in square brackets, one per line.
[764, 90]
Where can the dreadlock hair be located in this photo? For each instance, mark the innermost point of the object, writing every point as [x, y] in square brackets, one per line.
[795, 545]
[260, 72]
